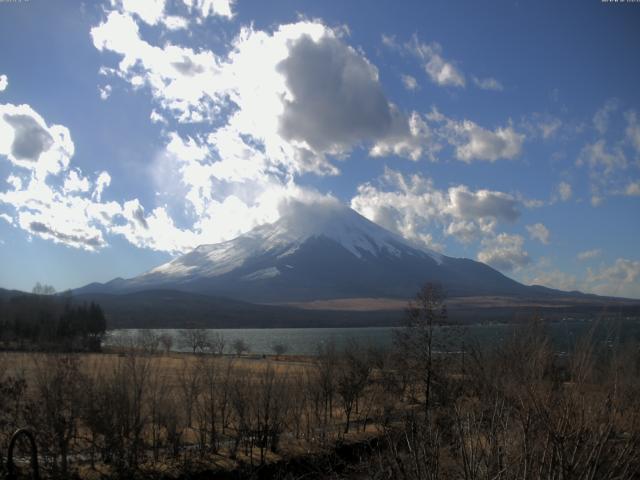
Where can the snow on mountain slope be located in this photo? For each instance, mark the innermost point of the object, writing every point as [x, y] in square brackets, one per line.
[343, 225]
[317, 251]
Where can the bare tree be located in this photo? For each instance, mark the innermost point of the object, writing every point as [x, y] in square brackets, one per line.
[327, 365]
[211, 404]
[117, 409]
[217, 344]
[133, 375]
[13, 387]
[172, 423]
[189, 381]
[57, 407]
[157, 390]
[194, 339]
[352, 377]
[147, 341]
[166, 341]
[240, 346]
[280, 349]
[271, 409]
[415, 340]
[299, 404]
[224, 393]
[240, 401]
[43, 289]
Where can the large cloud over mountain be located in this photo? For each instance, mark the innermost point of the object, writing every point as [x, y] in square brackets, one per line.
[336, 98]
[276, 105]
[273, 105]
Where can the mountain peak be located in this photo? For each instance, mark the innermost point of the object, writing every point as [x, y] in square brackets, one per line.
[314, 251]
[339, 223]
[334, 221]
[299, 223]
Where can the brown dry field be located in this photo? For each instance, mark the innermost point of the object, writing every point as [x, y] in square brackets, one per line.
[171, 364]
[480, 302]
[170, 368]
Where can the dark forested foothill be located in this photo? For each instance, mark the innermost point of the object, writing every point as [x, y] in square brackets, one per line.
[45, 321]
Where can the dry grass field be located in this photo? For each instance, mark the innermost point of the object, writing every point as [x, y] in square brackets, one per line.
[516, 410]
[179, 411]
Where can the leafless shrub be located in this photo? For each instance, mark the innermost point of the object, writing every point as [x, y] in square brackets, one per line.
[410, 452]
[212, 403]
[352, 378]
[271, 409]
[117, 409]
[56, 413]
[189, 382]
[166, 342]
[327, 366]
[239, 346]
[195, 340]
[13, 387]
[217, 344]
[147, 341]
[279, 349]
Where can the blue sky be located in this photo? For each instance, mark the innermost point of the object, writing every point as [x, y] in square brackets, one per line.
[507, 132]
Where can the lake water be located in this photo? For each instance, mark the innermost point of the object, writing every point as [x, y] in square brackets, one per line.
[305, 341]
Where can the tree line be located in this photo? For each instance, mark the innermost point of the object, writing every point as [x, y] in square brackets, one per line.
[43, 320]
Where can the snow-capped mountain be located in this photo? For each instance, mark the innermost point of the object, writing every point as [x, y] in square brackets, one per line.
[341, 225]
[316, 252]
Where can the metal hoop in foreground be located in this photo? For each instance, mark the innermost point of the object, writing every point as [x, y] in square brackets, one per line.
[11, 467]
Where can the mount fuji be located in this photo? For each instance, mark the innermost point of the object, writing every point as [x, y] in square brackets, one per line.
[319, 252]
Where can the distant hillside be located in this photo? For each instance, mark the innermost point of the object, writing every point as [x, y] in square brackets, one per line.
[7, 294]
[174, 309]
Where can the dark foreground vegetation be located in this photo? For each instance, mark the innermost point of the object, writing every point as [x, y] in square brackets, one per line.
[516, 410]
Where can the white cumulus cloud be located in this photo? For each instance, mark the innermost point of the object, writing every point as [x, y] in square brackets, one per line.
[28, 142]
[504, 252]
[441, 71]
[412, 206]
[602, 117]
[564, 191]
[47, 198]
[409, 82]
[539, 232]
[204, 8]
[180, 79]
[150, 11]
[599, 156]
[473, 142]
[555, 279]
[620, 278]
